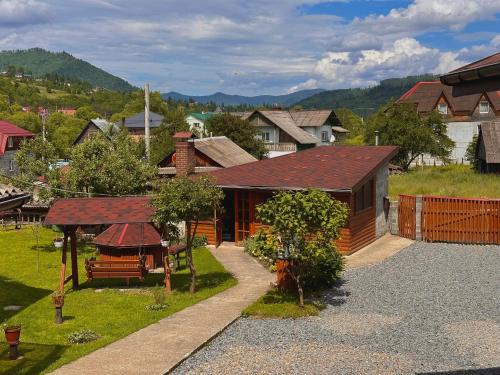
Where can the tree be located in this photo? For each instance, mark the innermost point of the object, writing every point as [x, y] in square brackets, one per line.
[306, 224]
[401, 125]
[26, 120]
[36, 158]
[103, 166]
[62, 131]
[350, 121]
[186, 200]
[471, 153]
[86, 113]
[239, 131]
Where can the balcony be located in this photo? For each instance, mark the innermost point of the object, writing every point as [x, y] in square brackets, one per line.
[282, 147]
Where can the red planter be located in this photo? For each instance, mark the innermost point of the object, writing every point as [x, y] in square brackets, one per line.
[12, 335]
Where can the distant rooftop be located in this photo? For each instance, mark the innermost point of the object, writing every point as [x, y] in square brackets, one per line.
[137, 120]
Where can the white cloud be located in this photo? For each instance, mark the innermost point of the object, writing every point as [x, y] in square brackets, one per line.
[307, 85]
[22, 12]
[405, 56]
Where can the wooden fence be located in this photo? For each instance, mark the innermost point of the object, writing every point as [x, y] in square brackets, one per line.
[407, 216]
[463, 220]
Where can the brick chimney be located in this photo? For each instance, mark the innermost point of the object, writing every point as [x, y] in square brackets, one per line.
[185, 159]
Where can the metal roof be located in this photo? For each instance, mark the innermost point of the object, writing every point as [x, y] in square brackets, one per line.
[284, 121]
[223, 151]
[137, 120]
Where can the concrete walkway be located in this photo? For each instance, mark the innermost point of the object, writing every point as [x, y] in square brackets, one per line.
[376, 252]
[157, 348]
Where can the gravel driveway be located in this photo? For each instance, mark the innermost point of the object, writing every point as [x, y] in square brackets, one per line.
[431, 307]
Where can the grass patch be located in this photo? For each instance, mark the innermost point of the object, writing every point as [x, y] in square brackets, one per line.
[450, 180]
[111, 313]
[276, 304]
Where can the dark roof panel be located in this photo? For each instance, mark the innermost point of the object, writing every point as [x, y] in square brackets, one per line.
[129, 235]
[329, 168]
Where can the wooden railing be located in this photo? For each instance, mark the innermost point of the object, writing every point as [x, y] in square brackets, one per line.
[284, 147]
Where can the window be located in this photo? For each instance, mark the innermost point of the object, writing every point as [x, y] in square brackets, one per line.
[10, 142]
[266, 136]
[363, 198]
[443, 108]
[484, 107]
[11, 165]
[324, 136]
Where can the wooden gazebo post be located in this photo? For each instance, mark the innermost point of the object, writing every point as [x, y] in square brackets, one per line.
[69, 231]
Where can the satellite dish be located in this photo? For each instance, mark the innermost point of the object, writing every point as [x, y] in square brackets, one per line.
[332, 138]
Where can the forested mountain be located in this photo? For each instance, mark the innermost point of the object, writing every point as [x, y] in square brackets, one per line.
[40, 63]
[233, 100]
[364, 101]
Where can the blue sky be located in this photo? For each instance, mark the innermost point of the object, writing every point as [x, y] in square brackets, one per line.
[259, 46]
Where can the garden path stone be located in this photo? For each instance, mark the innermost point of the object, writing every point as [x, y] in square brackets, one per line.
[159, 347]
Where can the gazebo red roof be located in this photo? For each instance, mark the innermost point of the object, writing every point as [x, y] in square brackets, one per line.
[94, 211]
[129, 235]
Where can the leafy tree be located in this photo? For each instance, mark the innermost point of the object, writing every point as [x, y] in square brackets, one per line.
[86, 113]
[238, 130]
[306, 224]
[102, 166]
[26, 120]
[189, 200]
[35, 159]
[470, 153]
[401, 125]
[62, 131]
[350, 121]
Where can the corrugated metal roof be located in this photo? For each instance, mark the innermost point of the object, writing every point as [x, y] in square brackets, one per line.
[490, 133]
[223, 151]
[284, 121]
[137, 120]
[105, 126]
[311, 118]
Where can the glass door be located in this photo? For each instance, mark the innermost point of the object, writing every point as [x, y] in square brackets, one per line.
[243, 216]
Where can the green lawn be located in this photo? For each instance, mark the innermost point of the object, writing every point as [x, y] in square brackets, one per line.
[275, 304]
[111, 313]
[451, 180]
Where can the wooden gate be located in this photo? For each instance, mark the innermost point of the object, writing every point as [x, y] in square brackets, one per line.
[463, 220]
[406, 216]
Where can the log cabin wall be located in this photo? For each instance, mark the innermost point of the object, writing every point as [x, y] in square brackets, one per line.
[154, 255]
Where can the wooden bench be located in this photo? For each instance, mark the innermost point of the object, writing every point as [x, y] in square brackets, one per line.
[176, 250]
[110, 269]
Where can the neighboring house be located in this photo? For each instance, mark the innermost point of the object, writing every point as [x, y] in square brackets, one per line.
[290, 131]
[488, 147]
[94, 126]
[356, 175]
[475, 78]
[135, 123]
[462, 114]
[197, 121]
[11, 137]
[67, 111]
[193, 155]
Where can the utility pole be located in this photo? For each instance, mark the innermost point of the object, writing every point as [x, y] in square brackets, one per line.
[146, 121]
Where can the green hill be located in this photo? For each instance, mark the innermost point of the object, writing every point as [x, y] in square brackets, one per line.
[364, 101]
[41, 62]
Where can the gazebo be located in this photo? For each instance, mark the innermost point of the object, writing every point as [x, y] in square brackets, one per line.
[71, 213]
[128, 241]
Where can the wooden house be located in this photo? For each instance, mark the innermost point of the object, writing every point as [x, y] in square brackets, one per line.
[355, 175]
[128, 241]
[488, 147]
[95, 126]
[135, 123]
[290, 131]
[194, 155]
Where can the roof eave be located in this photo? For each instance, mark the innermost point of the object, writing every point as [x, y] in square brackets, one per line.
[281, 188]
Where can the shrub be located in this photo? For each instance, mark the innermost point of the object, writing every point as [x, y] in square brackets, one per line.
[159, 300]
[262, 244]
[82, 337]
[200, 241]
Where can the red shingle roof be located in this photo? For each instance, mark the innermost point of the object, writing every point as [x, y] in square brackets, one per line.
[329, 168]
[129, 235]
[93, 211]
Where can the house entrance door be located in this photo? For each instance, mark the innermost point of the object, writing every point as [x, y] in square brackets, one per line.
[242, 216]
